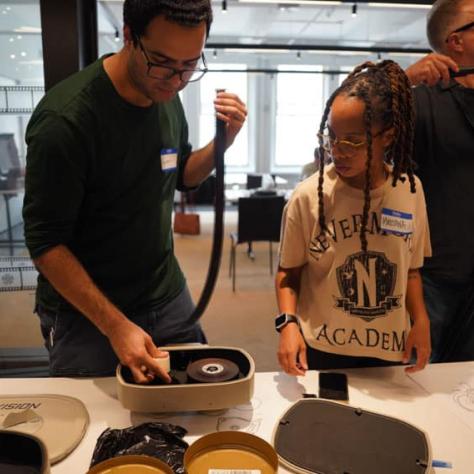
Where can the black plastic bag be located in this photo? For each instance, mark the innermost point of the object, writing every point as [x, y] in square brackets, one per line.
[160, 440]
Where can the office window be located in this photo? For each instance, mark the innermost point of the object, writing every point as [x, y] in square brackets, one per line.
[299, 106]
[21, 88]
[238, 154]
[110, 26]
[345, 70]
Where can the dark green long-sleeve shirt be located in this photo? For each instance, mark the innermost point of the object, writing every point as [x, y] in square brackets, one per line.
[95, 184]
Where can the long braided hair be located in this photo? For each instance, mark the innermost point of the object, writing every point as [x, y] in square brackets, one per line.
[386, 92]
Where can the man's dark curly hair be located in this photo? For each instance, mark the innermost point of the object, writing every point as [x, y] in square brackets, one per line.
[137, 14]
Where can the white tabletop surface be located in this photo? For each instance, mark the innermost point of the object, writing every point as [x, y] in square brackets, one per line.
[424, 401]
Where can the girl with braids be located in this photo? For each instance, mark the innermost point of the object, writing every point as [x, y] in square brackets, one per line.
[355, 234]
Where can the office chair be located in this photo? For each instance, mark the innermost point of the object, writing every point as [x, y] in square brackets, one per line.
[254, 181]
[259, 219]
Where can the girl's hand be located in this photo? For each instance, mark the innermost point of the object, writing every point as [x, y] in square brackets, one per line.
[419, 339]
[292, 350]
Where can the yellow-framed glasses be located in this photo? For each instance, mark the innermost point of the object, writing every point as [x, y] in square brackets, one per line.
[329, 141]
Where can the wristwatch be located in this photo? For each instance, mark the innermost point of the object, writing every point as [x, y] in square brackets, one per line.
[283, 319]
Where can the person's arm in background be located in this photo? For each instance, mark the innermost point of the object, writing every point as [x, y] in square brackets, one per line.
[200, 163]
[292, 346]
[419, 337]
[431, 69]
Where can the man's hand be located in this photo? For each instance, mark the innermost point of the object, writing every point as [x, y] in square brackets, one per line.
[431, 69]
[292, 350]
[419, 339]
[233, 112]
[136, 350]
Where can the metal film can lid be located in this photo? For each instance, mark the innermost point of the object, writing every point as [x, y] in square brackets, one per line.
[136, 464]
[229, 451]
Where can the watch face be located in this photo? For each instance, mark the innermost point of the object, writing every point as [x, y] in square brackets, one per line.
[280, 320]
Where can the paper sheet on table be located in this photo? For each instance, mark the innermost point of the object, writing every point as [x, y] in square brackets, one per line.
[453, 387]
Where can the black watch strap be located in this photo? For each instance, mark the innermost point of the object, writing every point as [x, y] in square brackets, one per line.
[283, 319]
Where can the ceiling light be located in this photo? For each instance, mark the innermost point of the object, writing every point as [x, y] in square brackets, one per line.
[296, 2]
[27, 29]
[398, 5]
[409, 55]
[256, 50]
[224, 6]
[354, 10]
[316, 3]
[12, 56]
[34, 62]
[117, 36]
[214, 54]
[19, 37]
[23, 53]
[11, 40]
[339, 52]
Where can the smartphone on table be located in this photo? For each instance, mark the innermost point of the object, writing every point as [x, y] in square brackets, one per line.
[333, 386]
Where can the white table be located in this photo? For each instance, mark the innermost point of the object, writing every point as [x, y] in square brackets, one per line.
[384, 390]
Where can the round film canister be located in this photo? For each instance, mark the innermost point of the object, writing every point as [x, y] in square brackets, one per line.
[135, 464]
[230, 451]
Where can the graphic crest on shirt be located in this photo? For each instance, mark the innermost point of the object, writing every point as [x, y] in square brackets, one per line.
[366, 282]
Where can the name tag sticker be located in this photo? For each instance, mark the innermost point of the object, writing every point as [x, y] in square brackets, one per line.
[396, 222]
[169, 160]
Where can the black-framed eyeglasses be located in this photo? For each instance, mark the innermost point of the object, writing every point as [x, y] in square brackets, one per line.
[465, 27]
[160, 71]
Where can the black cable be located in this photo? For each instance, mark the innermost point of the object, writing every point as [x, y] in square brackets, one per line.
[463, 71]
[218, 238]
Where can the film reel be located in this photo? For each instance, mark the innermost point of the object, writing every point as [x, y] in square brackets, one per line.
[212, 370]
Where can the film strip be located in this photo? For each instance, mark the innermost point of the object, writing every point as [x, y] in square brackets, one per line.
[17, 274]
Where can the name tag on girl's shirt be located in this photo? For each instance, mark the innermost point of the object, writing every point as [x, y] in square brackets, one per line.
[169, 160]
[396, 222]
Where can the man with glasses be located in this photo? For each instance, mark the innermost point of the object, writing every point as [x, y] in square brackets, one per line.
[444, 152]
[107, 148]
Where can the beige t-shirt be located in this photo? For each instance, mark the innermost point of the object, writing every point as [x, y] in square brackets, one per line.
[350, 303]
